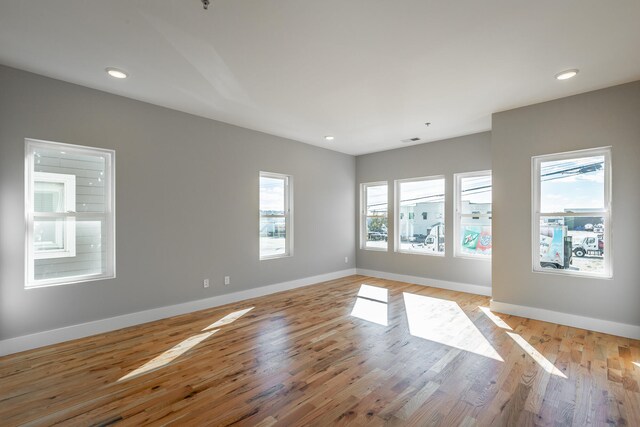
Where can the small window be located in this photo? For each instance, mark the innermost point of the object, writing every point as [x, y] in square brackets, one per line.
[276, 215]
[54, 193]
[69, 205]
[572, 213]
[374, 214]
[472, 231]
[424, 195]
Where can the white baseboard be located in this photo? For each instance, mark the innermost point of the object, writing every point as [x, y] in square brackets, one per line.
[54, 336]
[589, 323]
[424, 281]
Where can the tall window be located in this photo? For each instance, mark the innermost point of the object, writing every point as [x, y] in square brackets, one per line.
[275, 215]
[572, 212]
[373, 219]
[472, 232]
[420, 215]
[69, 205]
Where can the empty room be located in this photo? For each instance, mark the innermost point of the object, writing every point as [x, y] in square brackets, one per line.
[298, 213]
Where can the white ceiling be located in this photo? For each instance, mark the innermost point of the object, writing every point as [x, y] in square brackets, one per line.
[369, 72]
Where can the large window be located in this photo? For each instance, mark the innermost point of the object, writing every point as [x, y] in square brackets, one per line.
[420, 215]
[276, 213]
[472, 231]
[572, 212]
[373, 219]
[69, 206]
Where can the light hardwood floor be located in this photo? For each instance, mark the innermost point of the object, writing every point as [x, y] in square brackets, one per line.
[331, 354]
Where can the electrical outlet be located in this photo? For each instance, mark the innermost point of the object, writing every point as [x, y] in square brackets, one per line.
[205, 283]
[227, 280]
[346, 260]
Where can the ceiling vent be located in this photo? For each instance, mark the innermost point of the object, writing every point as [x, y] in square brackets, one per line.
[414, 139]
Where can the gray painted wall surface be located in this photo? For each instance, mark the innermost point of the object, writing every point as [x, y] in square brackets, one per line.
[608, 117]
[446, 157]
[186, 203]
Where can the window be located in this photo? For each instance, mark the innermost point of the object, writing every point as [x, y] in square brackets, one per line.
[424, 233]
[373, 220]
[276, 212]
[572, 213]
[69, 205]
[472, 231]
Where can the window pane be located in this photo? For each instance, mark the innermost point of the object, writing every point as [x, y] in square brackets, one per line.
[90, 253]
[475, 195]
[377, 213]
[572, 243]
[572, 185]
[421, 222]
[48, 197]
[475, 235]
[89, 172]
[273, 227]
[50, 234]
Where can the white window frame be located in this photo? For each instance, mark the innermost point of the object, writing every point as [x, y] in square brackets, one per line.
[396, 213]
[70, 216]
[457, 226]
[288, 215]
[363, 216]
[605, 213]
[66, 228]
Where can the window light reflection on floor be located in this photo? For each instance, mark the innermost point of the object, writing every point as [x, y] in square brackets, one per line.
[528, 348]
[637, 364]
[374, 292]
[536, 355]
[169, 355]
[443, 321]
[185, 345]
[371, 305]
[229, 318]
[495, 319]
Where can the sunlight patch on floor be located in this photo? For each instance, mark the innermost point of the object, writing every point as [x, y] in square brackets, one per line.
[184, 346]
[371, 304]
[374, 292]
[444, 322]
[229, 318]
[637, 364]
[169, 355]
[372, 311]
[536, 355]
[495, 319]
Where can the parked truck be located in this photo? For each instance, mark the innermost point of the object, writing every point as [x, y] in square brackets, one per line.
[555, 247]
[589, 246]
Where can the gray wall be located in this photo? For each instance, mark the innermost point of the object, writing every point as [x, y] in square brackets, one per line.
[186, 205]
[596, 119]
[446, 157]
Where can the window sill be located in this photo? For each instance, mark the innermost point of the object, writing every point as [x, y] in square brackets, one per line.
[436, 254]
[267, 258]
[570, 273]
[364, 248]
[71, 281]
[474, 257]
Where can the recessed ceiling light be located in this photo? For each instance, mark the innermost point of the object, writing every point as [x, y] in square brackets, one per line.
[566, 74]
[328, 138]
[114, 72]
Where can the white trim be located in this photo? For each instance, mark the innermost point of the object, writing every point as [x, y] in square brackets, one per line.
[108, 215]
[54, 336]
[396, 212]
[573, 320]
[364, 233]
[288, 214]
[425, 281]
[458, 215]
[537, 214]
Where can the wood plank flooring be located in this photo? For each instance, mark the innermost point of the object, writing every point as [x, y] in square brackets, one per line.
[336, 353]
